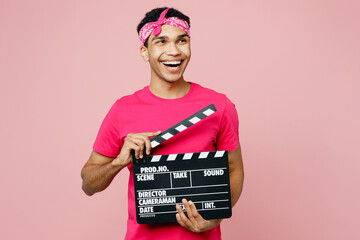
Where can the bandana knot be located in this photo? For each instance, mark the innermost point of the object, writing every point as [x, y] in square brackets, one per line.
[155, 27]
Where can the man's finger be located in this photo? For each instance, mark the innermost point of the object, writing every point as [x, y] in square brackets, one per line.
[191, 211]
[184, 219]
[194, 212]
[178, 219]
[148, 146]
[140, 141]
[135, 147]
[147, 140]
[145, 143]
[188, 210]
[151, 134]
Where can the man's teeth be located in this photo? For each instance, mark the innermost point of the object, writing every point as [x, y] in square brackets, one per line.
[172, 63]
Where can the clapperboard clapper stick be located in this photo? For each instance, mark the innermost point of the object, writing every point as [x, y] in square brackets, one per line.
[161, 181]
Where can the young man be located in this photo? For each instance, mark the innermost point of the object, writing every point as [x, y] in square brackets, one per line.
[135, 118]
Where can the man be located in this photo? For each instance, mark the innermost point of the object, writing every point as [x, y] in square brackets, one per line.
[135, 118]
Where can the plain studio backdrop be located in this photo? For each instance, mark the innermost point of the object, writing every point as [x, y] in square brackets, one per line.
[292, 68]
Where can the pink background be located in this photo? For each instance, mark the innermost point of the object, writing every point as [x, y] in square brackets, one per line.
[291, 67]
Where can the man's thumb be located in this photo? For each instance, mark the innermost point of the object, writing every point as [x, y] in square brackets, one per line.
[155, 133]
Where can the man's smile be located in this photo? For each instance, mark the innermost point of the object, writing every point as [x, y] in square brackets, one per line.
[172, 66]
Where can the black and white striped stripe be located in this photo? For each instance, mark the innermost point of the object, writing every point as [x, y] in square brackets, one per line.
[186, 156]
[181, 126]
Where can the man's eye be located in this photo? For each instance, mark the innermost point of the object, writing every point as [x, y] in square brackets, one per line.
[161, 41]
[183, 40]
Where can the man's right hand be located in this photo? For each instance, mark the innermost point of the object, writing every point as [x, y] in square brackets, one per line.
[136, 142]
[100, 170]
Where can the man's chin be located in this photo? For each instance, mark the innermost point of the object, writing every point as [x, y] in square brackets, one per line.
[169, 78]
[172, 79]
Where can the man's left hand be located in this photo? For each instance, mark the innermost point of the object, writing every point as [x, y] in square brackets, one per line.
[194, 222]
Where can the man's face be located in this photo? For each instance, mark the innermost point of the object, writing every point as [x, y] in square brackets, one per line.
[168, 53]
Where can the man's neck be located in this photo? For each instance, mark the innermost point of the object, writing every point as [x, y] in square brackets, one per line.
[170, 90]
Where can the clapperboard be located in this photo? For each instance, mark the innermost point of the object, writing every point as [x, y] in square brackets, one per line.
[162, 181]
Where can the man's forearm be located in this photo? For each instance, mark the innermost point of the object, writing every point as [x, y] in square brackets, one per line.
[236, 185]
[96, 178]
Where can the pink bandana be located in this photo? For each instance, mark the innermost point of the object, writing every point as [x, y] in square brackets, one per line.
[146, 30]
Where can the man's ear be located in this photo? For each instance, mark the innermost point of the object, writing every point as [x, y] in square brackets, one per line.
[144, 53]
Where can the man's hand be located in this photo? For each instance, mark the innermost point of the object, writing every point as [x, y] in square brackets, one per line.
[136, 142]
[195, 222]
[100, 170]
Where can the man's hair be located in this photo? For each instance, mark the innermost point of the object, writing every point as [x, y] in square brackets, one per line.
[153, 16]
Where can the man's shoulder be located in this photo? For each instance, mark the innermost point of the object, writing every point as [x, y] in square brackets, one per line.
[131, 98]
[209, 92]
[220, 100]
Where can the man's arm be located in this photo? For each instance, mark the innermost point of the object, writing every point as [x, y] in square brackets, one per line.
[236, 172]
[100, 170]
[195, 222]
[98, 173]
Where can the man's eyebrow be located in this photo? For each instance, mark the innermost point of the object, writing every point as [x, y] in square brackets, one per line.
[183, 35]
[165, 37]
[159, 37]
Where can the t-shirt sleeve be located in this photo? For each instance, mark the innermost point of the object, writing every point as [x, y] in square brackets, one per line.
[108, 140]
[228, 136]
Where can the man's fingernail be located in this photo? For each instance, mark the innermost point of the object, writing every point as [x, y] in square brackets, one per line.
[177, 215]
[184, 200]
[190, 202]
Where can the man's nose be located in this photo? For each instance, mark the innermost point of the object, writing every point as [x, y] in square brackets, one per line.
[173, 49]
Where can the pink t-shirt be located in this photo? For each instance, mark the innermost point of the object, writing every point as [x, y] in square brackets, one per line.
[145, 112]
